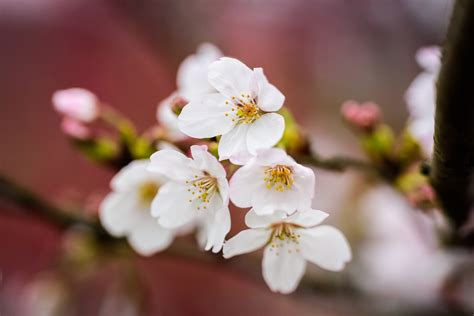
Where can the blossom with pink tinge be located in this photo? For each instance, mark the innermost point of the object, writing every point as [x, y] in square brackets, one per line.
[125, 212]
[76, 103]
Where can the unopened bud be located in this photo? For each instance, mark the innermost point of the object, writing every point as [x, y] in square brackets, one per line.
[429, 58]
[177, 104]
[364, 116]
[79, 104]
[75, 129]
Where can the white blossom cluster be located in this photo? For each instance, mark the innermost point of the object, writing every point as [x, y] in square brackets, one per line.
[152, 201]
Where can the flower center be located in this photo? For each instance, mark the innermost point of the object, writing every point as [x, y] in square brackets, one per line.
[244, 109]
[202, 190]
[279, 177]
[147, 192]
[283, 238]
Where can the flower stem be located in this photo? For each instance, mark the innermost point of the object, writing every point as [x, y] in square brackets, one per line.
[337, 163]
[453, 162]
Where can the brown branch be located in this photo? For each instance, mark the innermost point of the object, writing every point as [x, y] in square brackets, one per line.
[36, 206]
[453, 157]
[337, 164]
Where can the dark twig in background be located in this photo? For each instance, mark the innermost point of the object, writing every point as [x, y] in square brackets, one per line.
[38, 207]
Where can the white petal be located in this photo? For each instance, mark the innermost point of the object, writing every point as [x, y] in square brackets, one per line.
[282, 268]
[215, 204]
[268, 200]
[307, 218]
[172, 207]
[233, 145]
[246, 241]
[201, 236]
[230, 77]
[243, 184]
[223, 187]
[270, 99]
[274, 156]
[206, 117]
[149, 237]
[305, 184]
[253, 220]
[134, 174]
[421, 96]
[166, 145]
[217, 229]
[325, 246]
[265, 132]
[173, 164]
[423, 131]
[192, 73]
[240, 158]
[207, 162]
[118, 213]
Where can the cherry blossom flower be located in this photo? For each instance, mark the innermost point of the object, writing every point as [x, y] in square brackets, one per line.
[76, 103]
[272, 181]
[126, 210]
[198, 192]
[243, 111]
[191, 83]
[421, 98]
[289, 242]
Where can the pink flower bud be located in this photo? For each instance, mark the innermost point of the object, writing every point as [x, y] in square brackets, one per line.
[75, 129]
[364, 116]
[422, 197]
[79, 104]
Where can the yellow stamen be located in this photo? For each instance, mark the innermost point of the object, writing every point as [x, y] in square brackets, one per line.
[279, 177]
[203, 189]
[245, 109]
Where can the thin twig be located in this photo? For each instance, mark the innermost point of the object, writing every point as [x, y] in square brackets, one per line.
[35, 205]
[338, 164]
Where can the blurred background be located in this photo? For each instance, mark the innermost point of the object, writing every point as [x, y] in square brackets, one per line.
[318, 53]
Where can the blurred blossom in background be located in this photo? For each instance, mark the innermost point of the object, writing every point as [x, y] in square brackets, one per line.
[318, 53]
